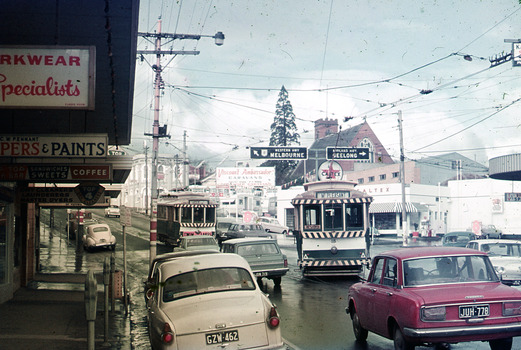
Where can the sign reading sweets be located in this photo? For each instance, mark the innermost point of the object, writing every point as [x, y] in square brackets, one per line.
[55, 172]
[70, 146]
[47, 77]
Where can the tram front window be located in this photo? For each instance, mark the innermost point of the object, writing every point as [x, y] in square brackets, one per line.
[333, 219]
[312, 218]
[186, 214]
[354, 217]
[198, 214]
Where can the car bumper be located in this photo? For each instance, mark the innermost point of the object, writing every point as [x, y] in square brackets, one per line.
[446, 332]
[271, 273]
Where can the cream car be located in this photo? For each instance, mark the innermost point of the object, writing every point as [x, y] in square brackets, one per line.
[99, 236]
[272, 225]
[505, 255]
[210, 301]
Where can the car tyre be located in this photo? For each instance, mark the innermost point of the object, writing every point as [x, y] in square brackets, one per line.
[277, 281]
[501, 344]
[400, 343]
[113, 248]
[359, 331]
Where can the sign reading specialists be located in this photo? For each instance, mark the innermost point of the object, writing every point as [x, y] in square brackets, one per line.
[347, 153]
[47, 77]
[88, 195]
[70, 146]
[278, 153]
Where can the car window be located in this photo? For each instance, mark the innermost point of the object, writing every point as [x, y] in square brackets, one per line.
[448, 269]
[206, 281]
[227, 248]
[502, 249]
[378, 268]
[99, 229]
[389, 278]
[257, 249]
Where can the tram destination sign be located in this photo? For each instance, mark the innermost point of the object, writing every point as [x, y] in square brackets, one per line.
[347, 153]
[278, 153]
[512, 197]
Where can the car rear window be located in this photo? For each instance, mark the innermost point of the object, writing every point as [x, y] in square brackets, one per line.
[448, 270]
[207, 281]
[257, 249]
[99, 229]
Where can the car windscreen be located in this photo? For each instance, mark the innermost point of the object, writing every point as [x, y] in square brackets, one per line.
[207, 281]
[448, 270]
[200, 241]
[257, 249]
[502, 249]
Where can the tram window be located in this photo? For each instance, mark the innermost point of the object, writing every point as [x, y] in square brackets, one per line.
[354, 217]
[333, 218]
[210, 215]
[171, 214]
[312, 218]
[198, 214]
[161, 212]
[186, 214]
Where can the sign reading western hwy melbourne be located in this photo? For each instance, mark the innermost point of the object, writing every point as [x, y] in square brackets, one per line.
[347, 153]
[70, 146]
[278, 153]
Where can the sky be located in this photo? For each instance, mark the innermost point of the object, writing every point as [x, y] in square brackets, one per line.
[367, 60]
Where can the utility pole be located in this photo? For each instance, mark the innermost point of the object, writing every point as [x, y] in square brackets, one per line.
[186, 176]
[157, 131]
[402, 180]
[146, 177]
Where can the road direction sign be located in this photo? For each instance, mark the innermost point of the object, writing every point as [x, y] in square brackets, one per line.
[347, 153]
[278, 153]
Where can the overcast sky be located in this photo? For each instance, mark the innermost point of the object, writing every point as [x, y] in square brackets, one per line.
[363, 59]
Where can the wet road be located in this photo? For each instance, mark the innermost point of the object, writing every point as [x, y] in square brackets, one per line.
[312, 310]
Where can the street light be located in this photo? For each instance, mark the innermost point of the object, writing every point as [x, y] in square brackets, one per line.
[219, 38]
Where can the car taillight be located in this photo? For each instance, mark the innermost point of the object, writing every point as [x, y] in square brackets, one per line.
[273, 320]
[433, 313]
[285, 262]
[511, 308]
[167, 336]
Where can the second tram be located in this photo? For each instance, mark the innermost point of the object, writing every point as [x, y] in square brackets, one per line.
[331, 228]
[185, 213]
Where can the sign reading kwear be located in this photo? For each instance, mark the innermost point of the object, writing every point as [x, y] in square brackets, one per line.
[50, 173]
[47, 77]
[70, 146]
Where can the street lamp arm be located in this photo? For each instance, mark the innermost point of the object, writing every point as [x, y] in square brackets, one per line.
[219, 36]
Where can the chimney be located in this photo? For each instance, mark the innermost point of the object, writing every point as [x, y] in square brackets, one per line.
[325, 127]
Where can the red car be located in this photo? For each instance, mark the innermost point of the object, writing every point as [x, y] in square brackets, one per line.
[435, 296]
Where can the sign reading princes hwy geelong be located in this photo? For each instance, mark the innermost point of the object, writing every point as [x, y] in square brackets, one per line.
[70, 146]
[47, 77]
[347, 153]
[278, 153]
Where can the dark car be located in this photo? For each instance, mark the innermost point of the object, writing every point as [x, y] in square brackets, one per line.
[458, 238]
[263, 255]
[245, 230]
[435, 296]
[221, 227]
[491, 231]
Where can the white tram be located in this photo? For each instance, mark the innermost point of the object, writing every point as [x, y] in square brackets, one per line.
[185, 213]
[332, 228]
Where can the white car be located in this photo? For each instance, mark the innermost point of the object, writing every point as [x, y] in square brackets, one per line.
[199, 242]
[505, 255]
[272, 225]
[99, 236]
[112, 211]
[210, 301]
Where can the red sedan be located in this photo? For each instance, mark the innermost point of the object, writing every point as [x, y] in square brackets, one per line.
[435, 296]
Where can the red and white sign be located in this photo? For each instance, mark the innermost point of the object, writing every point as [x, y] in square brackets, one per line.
[47, 77]
[54, 172]
[70, 146]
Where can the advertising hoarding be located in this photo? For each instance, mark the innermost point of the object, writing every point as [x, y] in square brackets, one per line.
[245, 177]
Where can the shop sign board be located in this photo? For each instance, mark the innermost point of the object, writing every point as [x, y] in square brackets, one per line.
[55, 172]
[245, 177]
[83, 194]
[47, 77]
[280, 153]
[45, 146]
[347, 153]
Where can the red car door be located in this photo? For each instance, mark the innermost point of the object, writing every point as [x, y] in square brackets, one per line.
[365, 305]
[383, 296]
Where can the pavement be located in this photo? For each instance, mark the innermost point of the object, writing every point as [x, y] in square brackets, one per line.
[50, 312]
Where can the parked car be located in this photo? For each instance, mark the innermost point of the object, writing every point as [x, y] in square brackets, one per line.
[458, 238]
[221, 227]
[272, 225]
[490, 231]
[435, 295]
[264, 256]
[197, 243]
[113, 210]
[505, 255]
[149, 284]
[99, 236]
[210, 301]
[245, 230]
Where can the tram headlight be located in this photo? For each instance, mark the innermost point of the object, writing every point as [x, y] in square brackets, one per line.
[334, 250]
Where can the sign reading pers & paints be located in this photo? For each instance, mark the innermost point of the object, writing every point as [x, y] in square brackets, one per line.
[70, 146]
[47, 77]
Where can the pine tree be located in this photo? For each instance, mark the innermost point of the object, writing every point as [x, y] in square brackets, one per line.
[283, 133]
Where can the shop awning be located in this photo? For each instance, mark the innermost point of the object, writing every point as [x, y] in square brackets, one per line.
[396, 207]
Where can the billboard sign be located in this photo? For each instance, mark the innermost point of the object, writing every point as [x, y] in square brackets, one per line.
[47, 77]
[347, 153]
[245, 177]
[38, 146]
[55, 172]
[281, 153]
